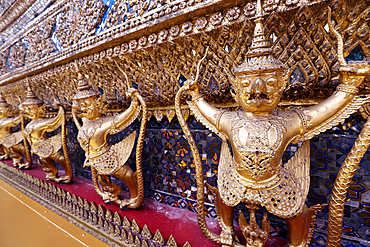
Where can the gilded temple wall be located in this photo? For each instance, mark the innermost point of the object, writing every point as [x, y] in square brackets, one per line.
[158, 58]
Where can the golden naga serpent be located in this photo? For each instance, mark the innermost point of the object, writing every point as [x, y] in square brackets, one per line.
[342, 182]
[69, 171]
[139, 146]
[139, 151]
[348, 168]
[27, 150]
[198, 163]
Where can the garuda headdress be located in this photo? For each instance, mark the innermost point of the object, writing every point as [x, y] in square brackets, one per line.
[84, 89]
[259, 57]
[31, 98]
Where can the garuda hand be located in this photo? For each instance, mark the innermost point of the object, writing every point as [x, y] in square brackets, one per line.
[192, 87]
[354, 73]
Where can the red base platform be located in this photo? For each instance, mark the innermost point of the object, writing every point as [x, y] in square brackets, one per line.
[180, 223]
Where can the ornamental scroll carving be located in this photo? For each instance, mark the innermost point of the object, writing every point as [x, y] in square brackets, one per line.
[123, 10]
[78, 21]
[17, 55]
[39, 41]
[4, 5]
[4, 66]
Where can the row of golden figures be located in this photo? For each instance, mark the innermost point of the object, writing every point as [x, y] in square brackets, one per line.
[104, 159]
[251, 172]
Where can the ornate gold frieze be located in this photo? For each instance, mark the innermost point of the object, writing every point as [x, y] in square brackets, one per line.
[39, 41]
[78, 20]
[94, 219]
[169, 13]
[16, 55]
[28, 19]
[159, 63]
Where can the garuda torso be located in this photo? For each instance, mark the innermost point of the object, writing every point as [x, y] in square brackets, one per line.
[42, 146]
[106, 159]
[255, 173]
[7, 138]
[257, 142]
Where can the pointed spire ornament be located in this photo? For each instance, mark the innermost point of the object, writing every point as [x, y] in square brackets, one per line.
[84, 89]
[259, 57]
[3, 103]
[31, 98]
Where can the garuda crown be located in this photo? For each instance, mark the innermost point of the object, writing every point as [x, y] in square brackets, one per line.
[259, 57]
[84, 89]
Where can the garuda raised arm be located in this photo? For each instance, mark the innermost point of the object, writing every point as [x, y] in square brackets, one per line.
[259, 134]
[48, 150]
[11, 143]
[103, 158]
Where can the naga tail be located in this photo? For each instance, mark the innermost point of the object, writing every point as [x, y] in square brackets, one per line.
[342, 182]
[27, 151]
[69, 171]
[199, 172]
[139, 151]
[341, 59]
[94, 177]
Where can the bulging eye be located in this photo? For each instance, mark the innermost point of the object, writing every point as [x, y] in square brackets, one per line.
[271, 81]
[245, 83]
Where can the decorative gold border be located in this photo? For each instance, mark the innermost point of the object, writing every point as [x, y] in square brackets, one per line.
[51, 11]
[142, 32]
[14, 12]
[100, 222]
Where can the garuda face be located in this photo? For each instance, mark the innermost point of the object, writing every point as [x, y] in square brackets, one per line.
[88, 107]
[5, 112]
[260, 93]
[34, 111]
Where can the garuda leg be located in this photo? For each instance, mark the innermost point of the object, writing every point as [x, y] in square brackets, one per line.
[15, 153]
[126, 175]
[48, 166]
[300, 227]
[3, 154]
[59, 157]
[225, 215]
[110, 191]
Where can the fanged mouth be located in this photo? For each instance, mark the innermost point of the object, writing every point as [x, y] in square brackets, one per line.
[78, 112]
[258, 97]
[83, 113]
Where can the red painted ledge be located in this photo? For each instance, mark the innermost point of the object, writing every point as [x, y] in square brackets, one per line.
[180, 223]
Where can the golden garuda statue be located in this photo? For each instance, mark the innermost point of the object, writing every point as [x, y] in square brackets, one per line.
[258, 134]
[47, 149]
[12, 144]
[105, 159]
